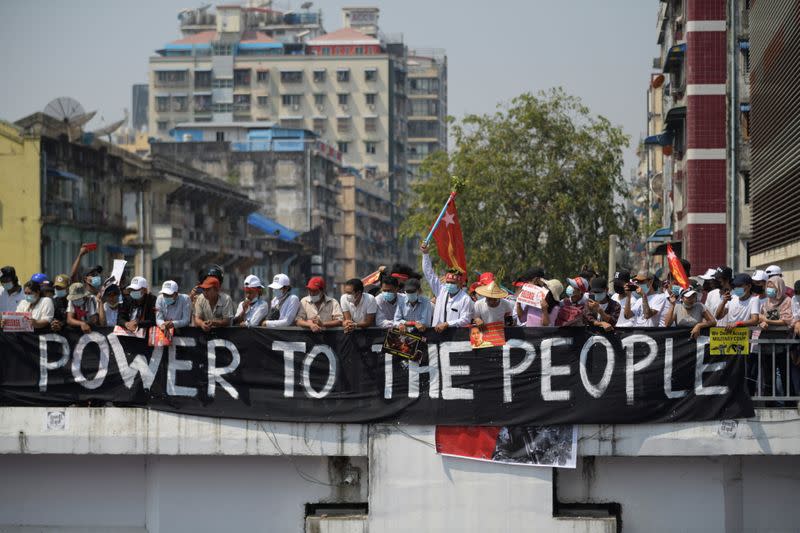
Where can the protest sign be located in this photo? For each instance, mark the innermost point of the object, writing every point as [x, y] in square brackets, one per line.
[733, 342]
[17, 322]
[532, 295]
[488, 335]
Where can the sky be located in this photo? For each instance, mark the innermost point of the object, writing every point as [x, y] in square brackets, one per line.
[95, 50]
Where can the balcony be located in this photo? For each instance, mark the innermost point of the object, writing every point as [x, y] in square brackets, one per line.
[63, 212]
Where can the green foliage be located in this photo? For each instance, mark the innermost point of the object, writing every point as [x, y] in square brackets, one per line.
[538, 183]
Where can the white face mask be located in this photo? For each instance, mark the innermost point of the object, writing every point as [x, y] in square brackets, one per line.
[315, 298]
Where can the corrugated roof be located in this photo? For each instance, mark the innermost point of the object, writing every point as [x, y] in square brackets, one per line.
[344, 36]
[203, 37]
[257, 37]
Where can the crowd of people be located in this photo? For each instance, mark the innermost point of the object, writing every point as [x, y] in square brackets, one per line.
[759, 301]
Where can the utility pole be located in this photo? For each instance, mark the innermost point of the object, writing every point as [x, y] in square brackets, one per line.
[612, 256]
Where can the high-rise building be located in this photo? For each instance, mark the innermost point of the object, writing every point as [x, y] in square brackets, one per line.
[705, 139]
[139, 101]
[427, 98]
[775, 75]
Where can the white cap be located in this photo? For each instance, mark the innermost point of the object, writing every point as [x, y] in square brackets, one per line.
[169, 287]
[709, 274]
[774, 270]
[691, 291]
[759, 275]
[280, 281]
[138, 283]
[252, 282]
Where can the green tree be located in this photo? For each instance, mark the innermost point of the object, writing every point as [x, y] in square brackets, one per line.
[537, 182]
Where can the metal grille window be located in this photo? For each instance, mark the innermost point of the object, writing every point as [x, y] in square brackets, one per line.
[343, 124]
[290, 99]
[371, 124]
[319, 76]
[262, 76]
[292, 76]
[162, 103]
[343, 76]
[370, 147]
[263, 101]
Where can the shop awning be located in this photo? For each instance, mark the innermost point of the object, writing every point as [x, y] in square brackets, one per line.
[675, 114]
[660, 235]
[270, 227]
[662, 139]
[674, 57]
[62, 174]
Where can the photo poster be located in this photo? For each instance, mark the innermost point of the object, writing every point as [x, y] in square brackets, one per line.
[488, 335]
[404, 344]
[733, 342]
[553, 446]
[532, 295]
[17, 322]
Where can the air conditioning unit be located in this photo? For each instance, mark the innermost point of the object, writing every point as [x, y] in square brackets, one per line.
[372, 107]
[295, 106]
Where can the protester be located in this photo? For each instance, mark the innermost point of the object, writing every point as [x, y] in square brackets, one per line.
[545, 315]
[471, 291]
[10, 293]
[453, 308]
[601, 311]
[214, 271]
[318, 311]
[723, 276]
[40, 307]
[81, 309]
[413, 307]
[686, 311]
[573, 304]
[138, 309]
[60, 302]
[759, 278]
[386, 302]
[777, 311]
[358, 308]
[284, 306]
[93, 280]
[108, 306]
[173, 310]
[648, 303]
[738, 307]
[251, 311]
[493, 307]
[212, 308]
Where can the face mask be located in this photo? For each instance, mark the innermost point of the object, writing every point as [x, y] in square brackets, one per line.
[636, 295]
[8, 286]
[598, 296]
[315, 298]
[738, 292]
[60, 293]
[170, 300]
[452, 288]
[676, 290]
[389, 296]
[96, 282]
[31, 298]
[570, 291]
[758, 289]
[136, 295]
[413, 297]
[78, 303]
[772, 292]
[645, 288]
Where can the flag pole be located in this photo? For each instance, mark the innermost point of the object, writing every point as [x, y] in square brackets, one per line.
[439, 219]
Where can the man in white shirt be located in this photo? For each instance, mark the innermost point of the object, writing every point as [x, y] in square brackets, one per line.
[723, 275]
[253, 309]
[739, 308]
[10, 293]
[759, 278]
[173, 310]
[386, 301]
[493, 307]
[454, 308]
[648, 303]
[358, 307]
[284, 305]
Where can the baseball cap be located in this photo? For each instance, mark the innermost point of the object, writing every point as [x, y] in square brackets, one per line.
[209, 282]
[316, 283]
[76, 292]
[599, 284]
[691, 291]
[412, 284]
[253, 282]
[774, 270]
[280, 281]
[169, 287]
[39, 278]
[643, 275]
[61, 281]
[709, 274]
[741, 279]
[759, 275]
[111, 289]
[485, 278]
[8, 272]
[579, 283]
[97, 269]
[138, 283]
[724, 272]
[623, 276]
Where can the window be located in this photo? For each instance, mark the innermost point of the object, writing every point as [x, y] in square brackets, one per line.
[370, 147]
[326, 51]
[370, 171]
[745, 125]
[263, 101]
[292, 76]
[424, 108]
[319, 124]
[222, 49]
[262, 76]
[222, 83]
[343, 124]
[163, 125]
[746, 187]
[241, 77]
[202, 79]
[343, 76]
[202, 102]
[359, 50]
[290, 99]
[371, 74]
[424, 85]
[293, 123]
[222, 108]
[171, 78]
[241, 102]
[371, 124]
[220, 136]
[319, 76]
[343, 98]
[180, 103]
[319, 100]
[370, 98]
[162, 103]
[342, 146]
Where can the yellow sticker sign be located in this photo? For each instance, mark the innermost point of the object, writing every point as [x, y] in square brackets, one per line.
[733, 342]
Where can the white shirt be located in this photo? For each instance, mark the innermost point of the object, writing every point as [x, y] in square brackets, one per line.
[289, 306]
[384, 318]
[258, 311]
[10, 302]
[713, 299]
[358, 313]
[456, 310]
[180, 313]
[42, 310]
[492, 314]
[739, 311]
[656, 302]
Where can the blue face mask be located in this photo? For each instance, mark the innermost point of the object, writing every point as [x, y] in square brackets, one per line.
[8, 286]
[772, 292]
[452, 288]
[60, 293]
[170, 300]
[645, 288]
[136, 295]
[676, 290]
[738, 292]
[413, 297]
[570, 291]
[389, 296]
[96, 281]
[31, 298]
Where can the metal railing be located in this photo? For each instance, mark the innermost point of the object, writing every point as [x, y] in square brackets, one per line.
[771, 376]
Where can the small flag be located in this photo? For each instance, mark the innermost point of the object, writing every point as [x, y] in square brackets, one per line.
[676, 268]
[449, 239]
[372, 278]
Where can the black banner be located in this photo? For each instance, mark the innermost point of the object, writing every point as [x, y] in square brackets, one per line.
[541, 376]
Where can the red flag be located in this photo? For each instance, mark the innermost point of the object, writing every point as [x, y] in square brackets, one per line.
[676, 268]
[449, 240]
[372, 278]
